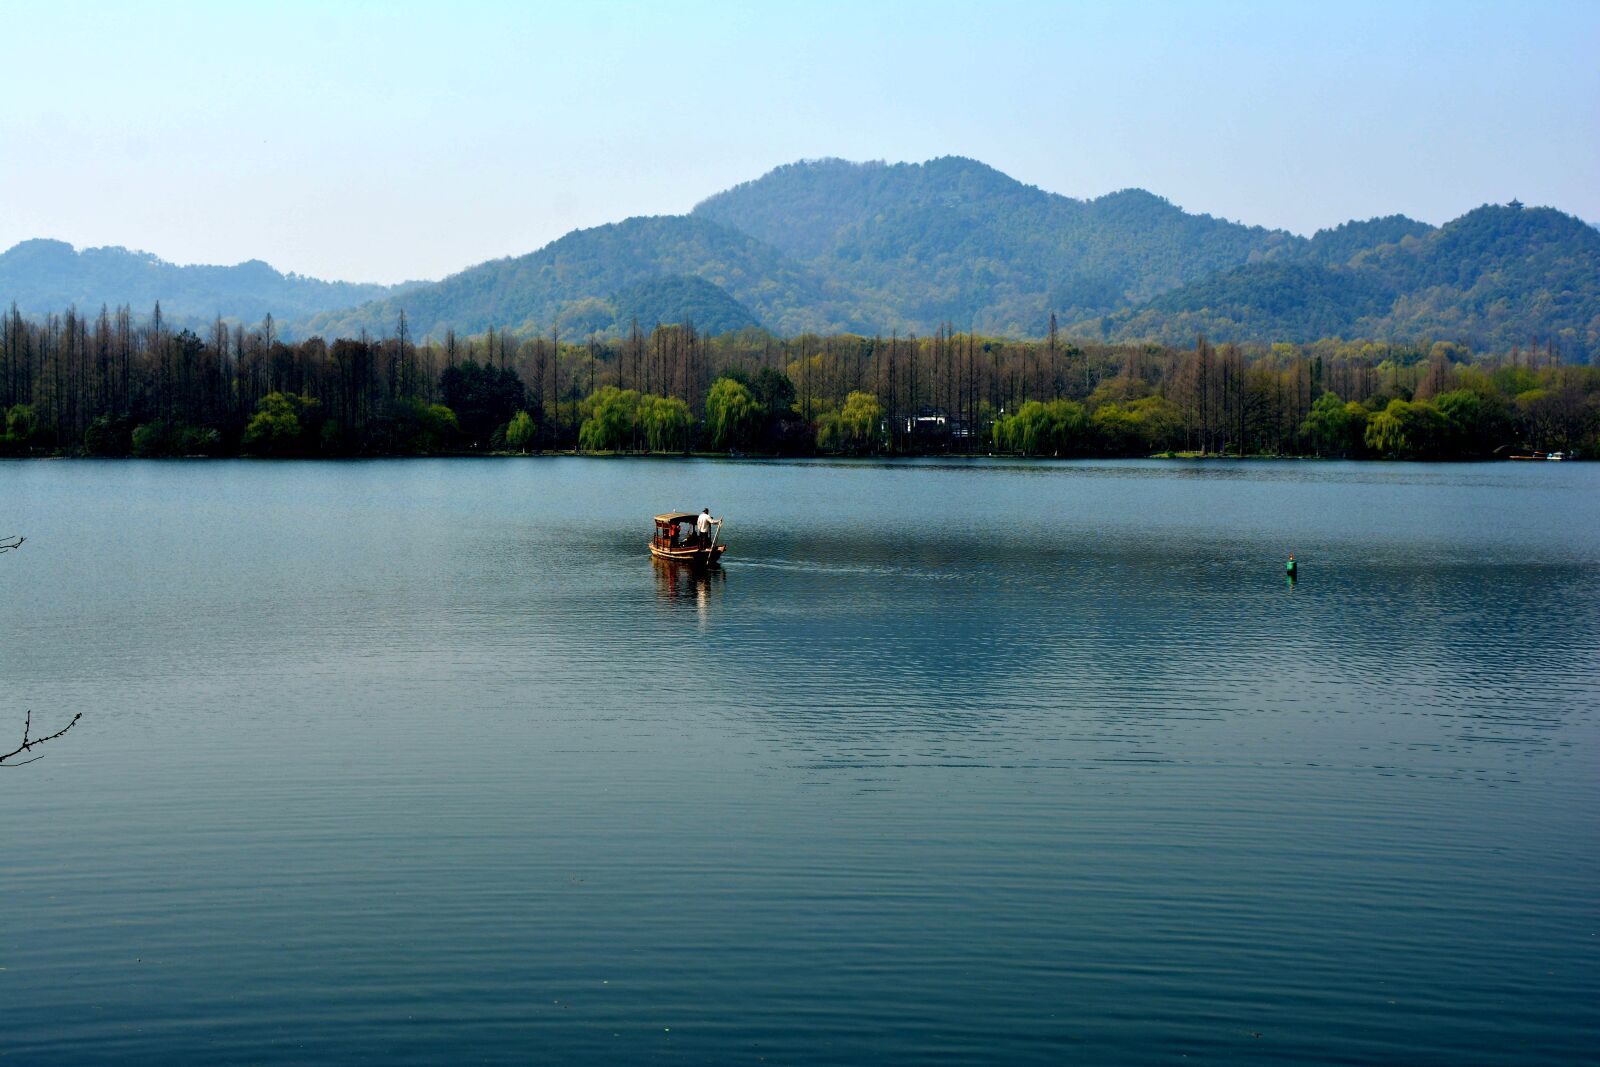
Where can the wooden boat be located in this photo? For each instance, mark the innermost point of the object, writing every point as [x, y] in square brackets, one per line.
[675, 540]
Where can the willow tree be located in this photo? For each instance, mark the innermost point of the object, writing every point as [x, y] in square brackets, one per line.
[665, 421]
[856, 427]
[611, 420]
[733, 416]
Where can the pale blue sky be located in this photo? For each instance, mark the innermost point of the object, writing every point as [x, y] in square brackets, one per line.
[380, 141]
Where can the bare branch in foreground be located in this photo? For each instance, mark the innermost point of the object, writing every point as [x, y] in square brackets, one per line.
[28, 745]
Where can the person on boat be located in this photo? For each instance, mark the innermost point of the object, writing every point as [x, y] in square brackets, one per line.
[702, 527]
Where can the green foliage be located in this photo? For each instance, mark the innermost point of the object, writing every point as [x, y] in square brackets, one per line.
[1513, 380]
[1159, 420]
[1386, 435]
[606, 261]
[611, 421]
[482, 398]
[856, 427]
[108, 435]
[1299, 301]
[621, 419]
[1049, 428]
[21, 427]
[150, 439]
[1559, 418]
[928, 394]
[410, 426]
[1475, 423]
[1334, 428]
[773, 391]
[281, 426]
[1407, 430]
[829, 245]
[1348, 240]
[681, 298]
[161, 438]
[521, 433]
[666, 423]
[1116, 430]
[733, 417]
[1491, 279]
[586, 316]
[952, 239]
[1148, 424]
[436, 425]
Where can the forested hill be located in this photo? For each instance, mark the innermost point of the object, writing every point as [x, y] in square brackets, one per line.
[44, 276]
[873, 247]
[595, 279]
[828, 245]
[1348, 240]
[955, 240]
[1497, 277]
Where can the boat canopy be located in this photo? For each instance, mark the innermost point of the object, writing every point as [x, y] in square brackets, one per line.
[676, 516]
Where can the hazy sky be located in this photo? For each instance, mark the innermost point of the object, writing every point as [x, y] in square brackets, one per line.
[381, 141]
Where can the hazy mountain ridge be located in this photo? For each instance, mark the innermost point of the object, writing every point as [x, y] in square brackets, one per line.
[44, 276]
[535, 291]
[1498, 276]
[830, 245]
[1344, 242]
[680, 298]
[956, 240]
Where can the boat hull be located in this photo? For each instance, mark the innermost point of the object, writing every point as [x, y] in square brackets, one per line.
[699, 555]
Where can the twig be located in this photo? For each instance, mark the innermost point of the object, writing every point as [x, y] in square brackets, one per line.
[27, 727]
[8, 544]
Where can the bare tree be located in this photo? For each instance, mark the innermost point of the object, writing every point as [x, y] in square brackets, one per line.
[29, 742]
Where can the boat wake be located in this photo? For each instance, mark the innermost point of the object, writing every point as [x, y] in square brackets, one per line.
[887, 570]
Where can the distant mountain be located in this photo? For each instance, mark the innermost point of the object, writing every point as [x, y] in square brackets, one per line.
[602, 268]
[1496, 277]
[1276, 301]
[44, 276]
[680, 298]
[1346, 241]
[955, 240]
[830, 245]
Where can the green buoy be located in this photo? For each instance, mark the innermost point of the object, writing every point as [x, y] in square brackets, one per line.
[1290, 568]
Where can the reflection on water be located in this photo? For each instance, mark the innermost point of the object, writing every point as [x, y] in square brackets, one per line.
[1010, 762]
[686, 583]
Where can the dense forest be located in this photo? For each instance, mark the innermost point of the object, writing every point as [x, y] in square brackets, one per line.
[110, 385]
[1498, 275]
[955, 240]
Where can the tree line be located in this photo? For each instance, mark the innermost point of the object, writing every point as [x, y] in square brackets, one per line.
[112, 385]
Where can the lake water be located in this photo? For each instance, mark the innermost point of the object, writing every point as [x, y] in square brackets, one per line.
[426, 761]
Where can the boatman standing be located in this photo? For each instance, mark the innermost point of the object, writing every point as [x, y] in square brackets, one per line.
[702, 526]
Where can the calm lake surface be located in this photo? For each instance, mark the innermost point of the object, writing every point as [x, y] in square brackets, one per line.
[426, 761]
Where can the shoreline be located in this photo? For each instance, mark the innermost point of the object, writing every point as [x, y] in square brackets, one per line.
[1176, 457]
